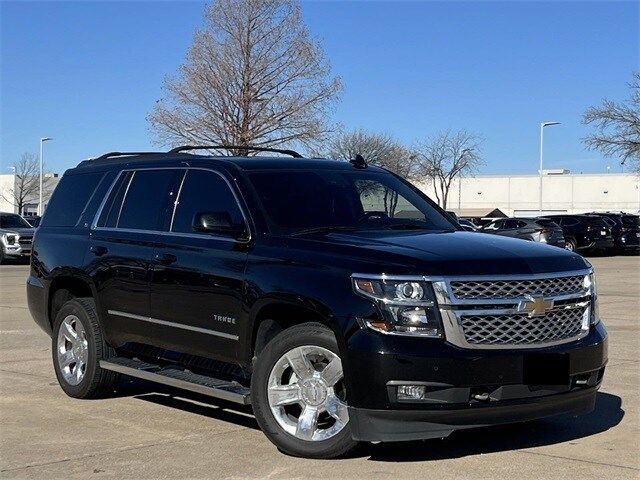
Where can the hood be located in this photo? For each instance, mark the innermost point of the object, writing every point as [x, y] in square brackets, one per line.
[445, 254]
[23, 232]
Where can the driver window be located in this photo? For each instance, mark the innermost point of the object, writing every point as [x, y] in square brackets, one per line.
[378, 198]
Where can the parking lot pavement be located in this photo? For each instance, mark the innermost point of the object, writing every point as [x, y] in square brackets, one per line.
[150, 432]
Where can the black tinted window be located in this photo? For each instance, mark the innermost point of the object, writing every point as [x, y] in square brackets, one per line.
[147, 198]
[111, 209]
[597, 221]
[511, 223]
[69, 199]
[300, 200]
[204, 191]
[631, 221]
[13, 220]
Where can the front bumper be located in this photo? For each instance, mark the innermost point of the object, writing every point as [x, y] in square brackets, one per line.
[401, 425]
[15, 251]
[453, 376]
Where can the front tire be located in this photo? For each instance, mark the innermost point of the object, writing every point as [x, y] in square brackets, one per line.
[78, 345]
[298, 394]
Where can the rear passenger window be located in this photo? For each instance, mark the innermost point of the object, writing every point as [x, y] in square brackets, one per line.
[70, 198]
[109, 216]
[146, 199]
[204, 191]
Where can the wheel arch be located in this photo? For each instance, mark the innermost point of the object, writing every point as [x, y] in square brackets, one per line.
[271, 316]
[67, 285]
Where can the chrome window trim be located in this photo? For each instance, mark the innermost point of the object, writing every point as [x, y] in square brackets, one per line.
[452, 309]
[124, 198]
[94, 223]
[166, 323]
[177, 200]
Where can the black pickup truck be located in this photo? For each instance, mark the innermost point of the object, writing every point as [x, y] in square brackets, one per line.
[334, 297]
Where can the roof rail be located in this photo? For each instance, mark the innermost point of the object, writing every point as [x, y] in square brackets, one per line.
[122, 154]
[186, 148]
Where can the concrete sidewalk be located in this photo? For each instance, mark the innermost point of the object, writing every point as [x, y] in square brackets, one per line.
[151, 432]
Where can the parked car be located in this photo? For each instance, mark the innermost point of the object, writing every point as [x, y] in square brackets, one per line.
[540, 230]
[625, 229]
[467, 225]
[16, 236]
[33, 220]
[293, 286]
[584, 232]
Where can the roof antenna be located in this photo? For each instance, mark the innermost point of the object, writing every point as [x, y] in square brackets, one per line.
[359, 162]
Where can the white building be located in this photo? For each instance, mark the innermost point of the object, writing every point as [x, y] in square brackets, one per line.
[562, 192]
[8, 189]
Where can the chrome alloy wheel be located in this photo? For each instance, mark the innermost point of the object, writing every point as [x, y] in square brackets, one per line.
[72, 350]
[306, 393]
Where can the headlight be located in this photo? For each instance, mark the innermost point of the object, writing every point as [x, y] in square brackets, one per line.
[10, 238]
[408, 306]
[591, 286]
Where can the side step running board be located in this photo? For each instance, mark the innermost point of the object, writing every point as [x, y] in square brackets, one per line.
[177, 377]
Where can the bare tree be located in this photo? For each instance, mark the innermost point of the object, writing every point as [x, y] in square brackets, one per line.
[375, 148]
[446, 156]
[617, 127]
[27, 182]
[253, 76]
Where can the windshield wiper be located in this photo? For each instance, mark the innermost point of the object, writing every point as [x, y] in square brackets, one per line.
[324, 229]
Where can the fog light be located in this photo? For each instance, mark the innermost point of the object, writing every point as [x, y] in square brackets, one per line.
[411, 392]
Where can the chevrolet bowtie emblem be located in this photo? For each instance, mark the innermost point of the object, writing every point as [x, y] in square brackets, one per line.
[535, 306]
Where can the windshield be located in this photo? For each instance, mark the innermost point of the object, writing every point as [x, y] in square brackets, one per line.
[327, 199]
[11, 220]
[631, 221]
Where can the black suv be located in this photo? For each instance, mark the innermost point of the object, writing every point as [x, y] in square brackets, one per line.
[625, 229]
[541, 230]
[334, 297]
[584, 232]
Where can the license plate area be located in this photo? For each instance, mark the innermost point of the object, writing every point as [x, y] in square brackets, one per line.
[546, 369]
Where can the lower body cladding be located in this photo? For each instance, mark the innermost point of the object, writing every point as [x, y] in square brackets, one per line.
[411, 388]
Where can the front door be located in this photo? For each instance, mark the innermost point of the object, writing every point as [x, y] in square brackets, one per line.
[197, 283]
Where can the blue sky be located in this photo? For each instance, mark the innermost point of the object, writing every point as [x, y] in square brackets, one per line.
[87, 73]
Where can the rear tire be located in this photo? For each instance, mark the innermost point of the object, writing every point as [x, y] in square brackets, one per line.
[78, 345]
[570, 244]
[317, 395]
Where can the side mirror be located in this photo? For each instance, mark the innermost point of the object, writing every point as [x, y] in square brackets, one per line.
[217, 223]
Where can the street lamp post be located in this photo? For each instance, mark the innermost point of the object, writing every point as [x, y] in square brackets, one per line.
[542, 125]
[42, 140]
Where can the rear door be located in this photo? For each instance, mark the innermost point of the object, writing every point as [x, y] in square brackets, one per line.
[198, 278]
[121, 249]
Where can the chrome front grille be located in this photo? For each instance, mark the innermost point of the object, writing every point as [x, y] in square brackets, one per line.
[515, 311]
[506, 289]
[521, 329]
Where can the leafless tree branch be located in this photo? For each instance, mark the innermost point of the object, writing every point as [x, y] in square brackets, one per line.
[253, 76]
[446, 156]
[617, 127]
[27, 182]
